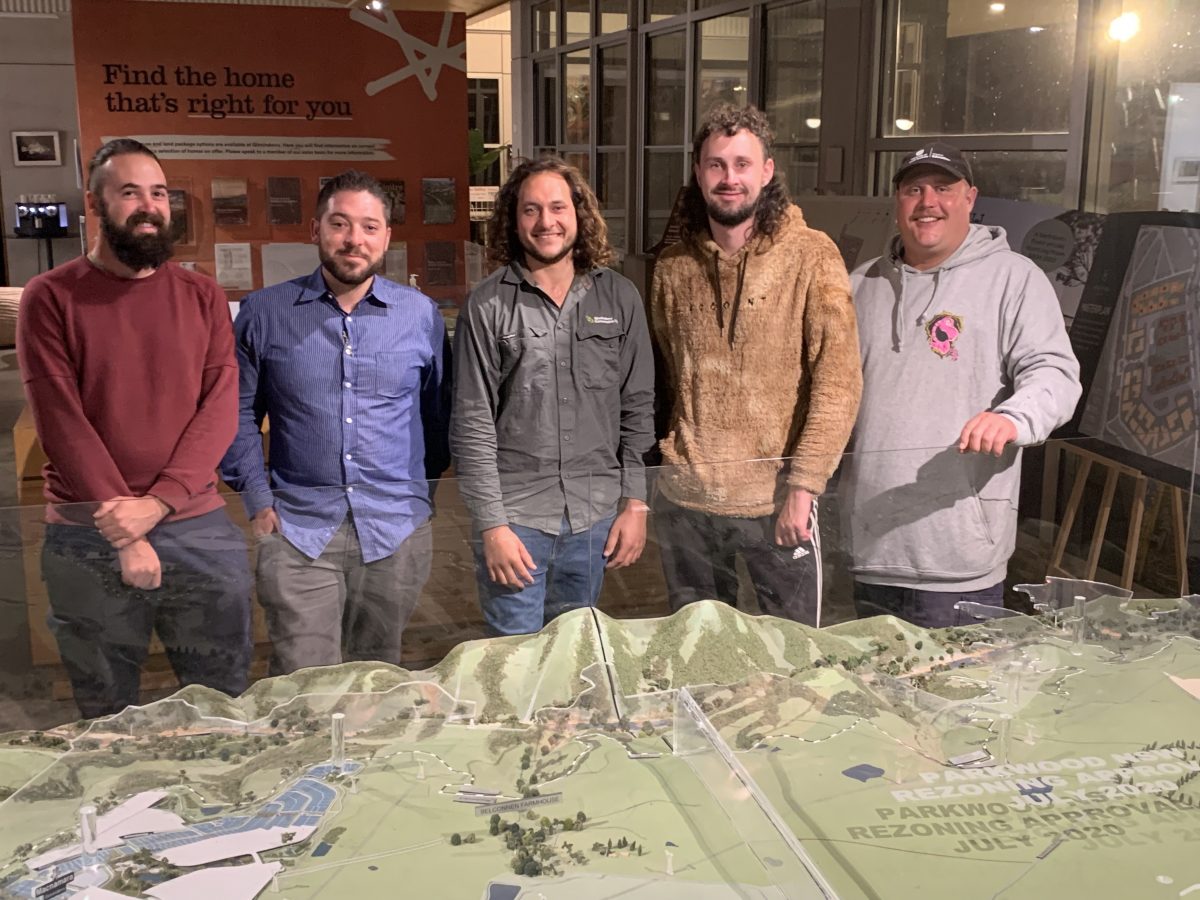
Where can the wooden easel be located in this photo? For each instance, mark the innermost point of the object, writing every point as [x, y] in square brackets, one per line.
[1113, 470]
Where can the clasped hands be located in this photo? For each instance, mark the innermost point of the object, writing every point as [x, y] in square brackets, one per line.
[124, 522]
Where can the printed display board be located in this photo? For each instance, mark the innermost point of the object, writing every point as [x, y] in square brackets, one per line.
[1144, 395]
[249, 113]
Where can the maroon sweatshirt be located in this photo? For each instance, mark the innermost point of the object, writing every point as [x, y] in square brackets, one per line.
[132, 384]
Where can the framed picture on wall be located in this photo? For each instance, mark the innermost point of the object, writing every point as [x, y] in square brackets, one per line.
[1187, 170]
[36, 148]
[440, 200]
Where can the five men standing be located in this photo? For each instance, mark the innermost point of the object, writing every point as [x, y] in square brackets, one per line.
[129, 368]
[753, 316]
[554, 405]
[963, 351]
[350, 369]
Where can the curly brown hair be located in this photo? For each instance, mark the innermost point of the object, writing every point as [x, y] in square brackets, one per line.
[773, 202]
[591, 239]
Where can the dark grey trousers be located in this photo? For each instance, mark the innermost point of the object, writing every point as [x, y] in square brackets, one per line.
[698, 556]
[103, 627]
[337, 608]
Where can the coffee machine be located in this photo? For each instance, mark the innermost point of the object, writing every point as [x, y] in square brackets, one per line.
[40, 216]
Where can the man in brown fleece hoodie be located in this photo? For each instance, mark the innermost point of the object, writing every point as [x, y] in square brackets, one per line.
[753, 316]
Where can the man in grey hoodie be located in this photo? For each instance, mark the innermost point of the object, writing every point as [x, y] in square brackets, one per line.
[965, 361]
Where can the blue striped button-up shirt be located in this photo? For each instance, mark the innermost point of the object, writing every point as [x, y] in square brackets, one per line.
[358, 404]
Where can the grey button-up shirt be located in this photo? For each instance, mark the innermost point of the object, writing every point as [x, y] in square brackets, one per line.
[553, 407]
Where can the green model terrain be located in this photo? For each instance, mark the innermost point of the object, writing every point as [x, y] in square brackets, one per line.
[709, 754]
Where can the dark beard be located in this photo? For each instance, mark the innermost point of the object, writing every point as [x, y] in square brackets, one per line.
[331, 265]
[549, 260]
[731, 217]
[137, 251]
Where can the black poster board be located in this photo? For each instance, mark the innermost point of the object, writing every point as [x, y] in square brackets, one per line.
[1090, 329]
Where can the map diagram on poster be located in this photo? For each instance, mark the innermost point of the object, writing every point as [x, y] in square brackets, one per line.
[1144, 395]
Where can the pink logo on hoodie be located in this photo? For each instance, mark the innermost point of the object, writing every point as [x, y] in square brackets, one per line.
[942, 332]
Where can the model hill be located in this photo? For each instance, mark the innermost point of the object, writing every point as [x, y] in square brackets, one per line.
[586, 655]
[581, 654]
[713, 643]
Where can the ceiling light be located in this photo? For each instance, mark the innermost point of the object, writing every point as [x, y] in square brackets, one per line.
[813, 123]
[905, 124]
[1124, 26]
[1034, 29]
[376, 5]
[996, 7]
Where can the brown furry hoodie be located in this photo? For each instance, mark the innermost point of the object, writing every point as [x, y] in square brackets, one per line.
[761, 353]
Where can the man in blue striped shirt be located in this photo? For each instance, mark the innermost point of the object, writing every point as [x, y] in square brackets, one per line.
[352, 370]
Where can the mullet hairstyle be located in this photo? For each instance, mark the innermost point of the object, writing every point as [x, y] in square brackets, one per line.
[354, 180]
[115, 147]
[591, 239]
[773, 202]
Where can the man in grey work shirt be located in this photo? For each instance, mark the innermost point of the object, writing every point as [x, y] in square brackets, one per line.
[553, 404]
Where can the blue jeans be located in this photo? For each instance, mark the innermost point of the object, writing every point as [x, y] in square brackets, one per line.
[568, 574]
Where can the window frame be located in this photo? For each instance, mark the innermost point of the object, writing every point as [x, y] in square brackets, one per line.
[1071, 142]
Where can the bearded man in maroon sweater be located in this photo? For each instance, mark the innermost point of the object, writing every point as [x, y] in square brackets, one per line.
[130, 372]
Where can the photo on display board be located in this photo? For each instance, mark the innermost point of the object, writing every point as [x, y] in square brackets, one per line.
[440, 198]
[181, 223]
[234, 266]
[231, 205]
[283, 201]
[395, 191]
[441, 258]
[36, 148]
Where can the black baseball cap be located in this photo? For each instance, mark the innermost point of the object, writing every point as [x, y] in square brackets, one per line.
[939, 155]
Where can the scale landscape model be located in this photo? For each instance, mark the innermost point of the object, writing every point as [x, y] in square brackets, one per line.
[705, 755]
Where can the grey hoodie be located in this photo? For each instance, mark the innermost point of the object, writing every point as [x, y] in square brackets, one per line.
[982, 331]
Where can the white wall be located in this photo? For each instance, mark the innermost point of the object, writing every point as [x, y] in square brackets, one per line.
[37, 93]
[489, 55]
[1182, 141]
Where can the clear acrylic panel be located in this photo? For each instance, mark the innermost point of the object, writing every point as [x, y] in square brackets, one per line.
[1043, 745]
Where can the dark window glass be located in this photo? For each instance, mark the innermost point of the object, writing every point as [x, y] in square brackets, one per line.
[483, 108]
[614, 94]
